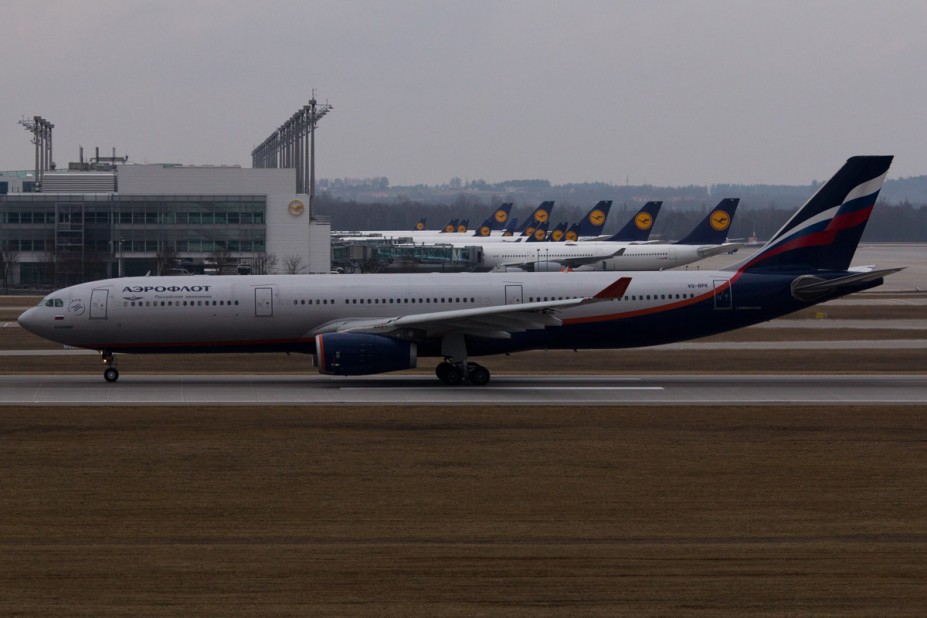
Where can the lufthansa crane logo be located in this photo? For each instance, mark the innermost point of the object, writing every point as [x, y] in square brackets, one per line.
[296, 207]
[643, 221]
[596, 217]
[720, 220]
[540, 234]
[557, 235]
[571, 236]
[420, 226]
[485, 231]
[501, 216]
[541, 216]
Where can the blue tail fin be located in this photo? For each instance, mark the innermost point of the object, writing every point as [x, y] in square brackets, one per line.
[421, 224]
[824, 233]
[501, 216]
[594, 221]
[559, 233]
[485, 228]
[541, 214]
[639, 227]
[713, 229]
[463, 225]
[510, 227]
[450, 226]
[538, 232]
[572, 234]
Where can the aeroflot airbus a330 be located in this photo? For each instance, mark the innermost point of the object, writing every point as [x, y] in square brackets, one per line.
[364, 324]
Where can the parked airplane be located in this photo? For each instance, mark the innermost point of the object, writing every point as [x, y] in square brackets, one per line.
[363, 324]
[708, 238]
[709, 235]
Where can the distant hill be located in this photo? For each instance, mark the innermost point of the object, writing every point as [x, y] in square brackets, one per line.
[359, 205]
[531, 192]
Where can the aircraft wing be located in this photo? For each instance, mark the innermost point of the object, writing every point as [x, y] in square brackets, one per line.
[710, 250]
[574, 262]
[566, 262]
[497, 322]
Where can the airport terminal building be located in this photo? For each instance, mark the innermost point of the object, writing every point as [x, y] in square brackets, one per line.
[89, 224]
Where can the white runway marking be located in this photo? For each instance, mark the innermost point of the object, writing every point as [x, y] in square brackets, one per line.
[514, 388]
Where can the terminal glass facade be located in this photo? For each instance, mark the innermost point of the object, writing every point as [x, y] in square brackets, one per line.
[61, 239]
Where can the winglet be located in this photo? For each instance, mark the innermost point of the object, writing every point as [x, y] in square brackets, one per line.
[615, 290]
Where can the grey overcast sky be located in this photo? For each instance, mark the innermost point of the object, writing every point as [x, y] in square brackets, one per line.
[667, 93]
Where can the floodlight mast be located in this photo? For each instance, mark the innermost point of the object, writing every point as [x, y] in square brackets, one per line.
[41, 130]
[293, 146]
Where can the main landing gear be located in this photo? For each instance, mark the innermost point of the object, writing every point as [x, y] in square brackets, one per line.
[456, 373]
[455, 368]
[110, 373]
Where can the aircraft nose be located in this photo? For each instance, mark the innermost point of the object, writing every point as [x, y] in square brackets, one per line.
[28, 320]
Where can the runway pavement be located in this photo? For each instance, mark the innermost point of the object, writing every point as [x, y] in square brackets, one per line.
[234, 390]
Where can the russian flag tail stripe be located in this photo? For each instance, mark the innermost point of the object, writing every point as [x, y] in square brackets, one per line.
[825, 232]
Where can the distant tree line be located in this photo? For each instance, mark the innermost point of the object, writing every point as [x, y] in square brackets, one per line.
[758, 214]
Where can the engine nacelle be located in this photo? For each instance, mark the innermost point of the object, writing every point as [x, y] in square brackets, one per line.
[355, 354]
[547, 266]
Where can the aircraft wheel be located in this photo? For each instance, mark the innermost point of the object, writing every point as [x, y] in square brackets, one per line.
[478, 375]
[450, 374]
[110, 374]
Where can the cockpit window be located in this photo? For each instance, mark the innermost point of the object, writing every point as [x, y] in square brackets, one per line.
[54, 302]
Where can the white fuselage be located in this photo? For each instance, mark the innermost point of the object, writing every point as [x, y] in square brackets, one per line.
[276, 311]
[610, 256]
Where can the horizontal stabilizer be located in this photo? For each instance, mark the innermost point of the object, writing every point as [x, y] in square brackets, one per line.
[809, 288]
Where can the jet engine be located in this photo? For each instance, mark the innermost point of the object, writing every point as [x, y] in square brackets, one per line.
[546, 266]
[355, 354]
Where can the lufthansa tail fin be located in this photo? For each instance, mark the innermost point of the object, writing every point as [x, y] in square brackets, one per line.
[558, 234]
[639, 227]
[420, 226]
[485, 228]
[713, 229]
[572, 234]
[824, 233]
[538, 234]
[541, 214]
[594, 221]
[501, 216]
[510, 227]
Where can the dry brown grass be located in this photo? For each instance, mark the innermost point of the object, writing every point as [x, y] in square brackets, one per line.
[457, 512]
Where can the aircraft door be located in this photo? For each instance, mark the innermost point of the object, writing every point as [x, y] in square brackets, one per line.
[723, 297]
[264, 302]
[98, 303]
[513, 295]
